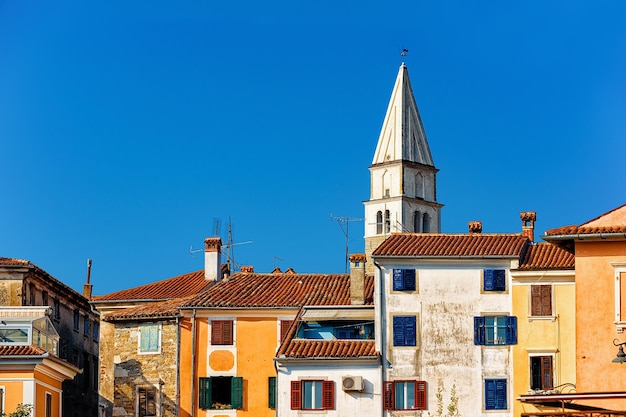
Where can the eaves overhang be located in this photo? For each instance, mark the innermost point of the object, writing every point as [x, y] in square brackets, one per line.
[543, 398]
[371, 360]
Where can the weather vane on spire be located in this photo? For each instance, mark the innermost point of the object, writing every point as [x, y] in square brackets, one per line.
[404, 52]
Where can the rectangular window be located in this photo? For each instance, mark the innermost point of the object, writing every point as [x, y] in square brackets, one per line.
[76, 320]
[284, 327]
[271, 392]
[222, 332]
[404, 331]
[149, 338]
[540, 300]
[16, 335]
[495, 330]
[495, 394]
[57, 310]
[312, 395]
[147, 401]
[404, 279]
[31, 290]
[44, 298]
[48, 411]
[404, 395]
[96, 331]
[86, 327]
[221, 393]
[494, 280]
[541, 372]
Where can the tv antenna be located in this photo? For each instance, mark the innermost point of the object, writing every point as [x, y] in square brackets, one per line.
[276, 258]
[344, 224]
[227, 249]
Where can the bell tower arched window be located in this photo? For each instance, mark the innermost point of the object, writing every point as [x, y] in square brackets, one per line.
[379, 222]
[387, 222]
[426, 223]
[417, 221]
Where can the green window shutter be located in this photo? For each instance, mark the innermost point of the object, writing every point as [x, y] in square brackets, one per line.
[205, 393]
[236, 392]
[271, 392]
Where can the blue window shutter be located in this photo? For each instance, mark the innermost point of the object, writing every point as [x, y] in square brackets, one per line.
[500, 388]
[490, 394]
[499, 279]
[479, 330]
[205, 393]
[398, 281]
[488, 280]
[511, 330]
[409, 331]
[236, 392]
[398, 331]
[409, 279]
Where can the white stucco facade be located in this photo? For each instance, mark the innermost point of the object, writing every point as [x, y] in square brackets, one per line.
[448, 295]
[366, 402]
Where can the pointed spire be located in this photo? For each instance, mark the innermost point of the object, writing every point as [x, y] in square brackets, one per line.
[402, 136]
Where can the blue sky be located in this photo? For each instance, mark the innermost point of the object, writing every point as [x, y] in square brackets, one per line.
[127, 128]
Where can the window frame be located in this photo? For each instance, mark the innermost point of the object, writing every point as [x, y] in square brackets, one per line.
[140, 339]
[222, 332]
[546, 364]
[420, 395]
[403, 279]
[205, 392]
[327, 396]
[494, 280]
[541, 300]
[404, 331]
[481, 330]
[496, 387]
[48, 404]
[157, 399]
[76, 320]
[271, 392]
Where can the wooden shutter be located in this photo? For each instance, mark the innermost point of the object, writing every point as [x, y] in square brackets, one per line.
[479, 330]
[328, 395]
[511, 330]
[409, 279]
[490, 394]
[398, 331]
[227, 337]
[296, 395]
[546, 372]
[500, 387]
[205, 393]
[388, 395]
[499, 279]
[410, 331]
[216, 332]
[541, 300]
[420, 395]
[236, 392]
[284, 327]
[488, 280]
[398, 282]
[271, 392]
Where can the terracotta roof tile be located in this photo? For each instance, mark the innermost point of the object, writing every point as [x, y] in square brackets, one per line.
[158, 310]
[177, 287]
[23, 350]
[14, 262]
[546, 256]
[249, 290]
[300, 348]
[431, 245]
[585, 230]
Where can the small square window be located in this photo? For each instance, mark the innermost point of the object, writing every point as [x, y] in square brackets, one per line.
[495, 330]
[494, 280]
[312, 395]
[149, 338]
[495, 394]
[404, 279]
[404, 331]
[541, 300]
[222, 332]
[404, 395]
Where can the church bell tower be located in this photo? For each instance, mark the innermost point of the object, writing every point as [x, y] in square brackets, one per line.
[403, 183]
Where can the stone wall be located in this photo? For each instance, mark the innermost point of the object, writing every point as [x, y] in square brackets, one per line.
[132, 369]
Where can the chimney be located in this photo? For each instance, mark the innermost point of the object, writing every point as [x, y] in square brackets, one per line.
[357, 278]
[88, 288]
[247, 269]
[528, 224]
[212, 258]
[475, 227]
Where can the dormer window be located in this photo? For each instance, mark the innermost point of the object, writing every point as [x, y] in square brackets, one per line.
[28, 326]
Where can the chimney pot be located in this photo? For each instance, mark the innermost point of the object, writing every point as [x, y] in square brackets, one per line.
[528, 224]
[247, 269]
[357, 278]
[212, 259]
[475, 227]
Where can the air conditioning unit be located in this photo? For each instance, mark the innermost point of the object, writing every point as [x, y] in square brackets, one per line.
[352, 383]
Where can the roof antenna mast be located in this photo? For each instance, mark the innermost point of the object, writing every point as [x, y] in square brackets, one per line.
[345, 220]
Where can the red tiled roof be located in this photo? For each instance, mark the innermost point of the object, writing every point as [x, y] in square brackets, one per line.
[546, 256]
[430, 245]
[159, 310]
[249, 290]
[300, 348]
[177, 287]
[585, 230]
[24, 350]
[14, 262]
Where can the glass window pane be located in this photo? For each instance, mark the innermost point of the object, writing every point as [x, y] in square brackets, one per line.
[318, 394]
[399, 400]
[410, 395]
[307, 394]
